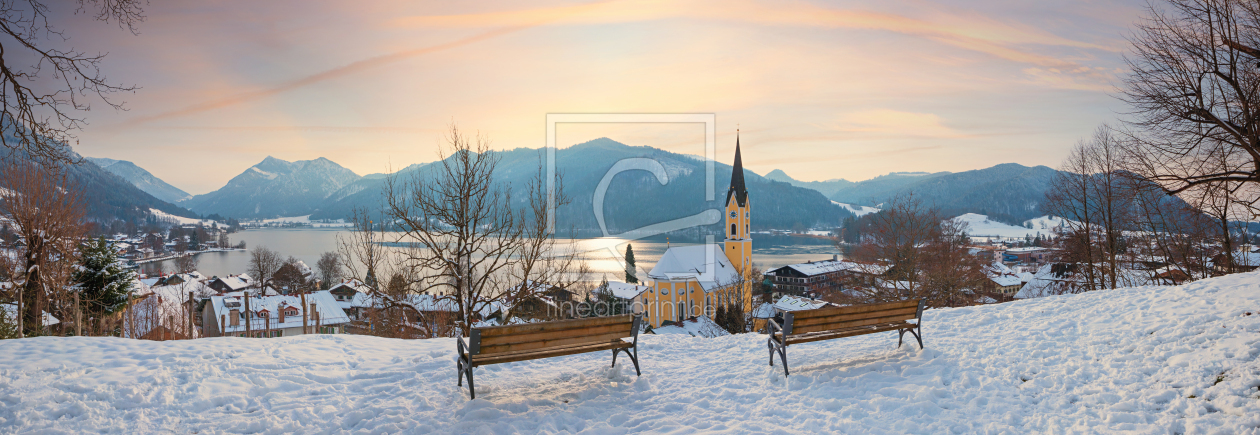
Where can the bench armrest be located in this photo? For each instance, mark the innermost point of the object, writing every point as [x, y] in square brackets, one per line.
[461, 347]
[634, 328]
[918, 315]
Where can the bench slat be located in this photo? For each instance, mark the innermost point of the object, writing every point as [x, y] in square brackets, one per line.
[622, 328]
[850, 332]
[909, 312]
[558, 325]
[481, 360]
[831, 311]
[555, 342]
[848, 323]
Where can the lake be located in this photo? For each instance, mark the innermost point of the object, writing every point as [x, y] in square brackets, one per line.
[306, 244]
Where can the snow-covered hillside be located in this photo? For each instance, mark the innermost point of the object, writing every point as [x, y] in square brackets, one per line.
[1143, 360]
[858, 210]
[981, 225]
[170, 218]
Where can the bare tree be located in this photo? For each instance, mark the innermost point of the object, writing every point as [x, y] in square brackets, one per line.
[1194, 92]
[329, 266]
[43, 99]
[467, 237]
[952, 269]
[185, 263]
[263, 264]
[289, 278]
[1091, 193]
[1171, 230]
[894, 245]
[49, 215]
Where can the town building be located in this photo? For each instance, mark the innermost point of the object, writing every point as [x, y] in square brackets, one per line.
[809, 278]
[691, 281]
[272, 316]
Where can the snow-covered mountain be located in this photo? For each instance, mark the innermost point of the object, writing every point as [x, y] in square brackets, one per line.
[827, 187]
[107, 196]
[635, 199]
[142, 179]
[274, 188]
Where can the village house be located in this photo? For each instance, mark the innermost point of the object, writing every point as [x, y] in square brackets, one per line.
[231, 283]
[272, 316]
[1030, 255]
[809, 278]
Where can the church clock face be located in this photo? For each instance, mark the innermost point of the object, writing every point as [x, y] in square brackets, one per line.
[733, 214]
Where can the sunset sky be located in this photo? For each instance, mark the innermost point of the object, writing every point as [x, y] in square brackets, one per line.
[821, 90]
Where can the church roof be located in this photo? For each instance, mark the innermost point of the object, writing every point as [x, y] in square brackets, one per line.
[706, 264]
[737, 179]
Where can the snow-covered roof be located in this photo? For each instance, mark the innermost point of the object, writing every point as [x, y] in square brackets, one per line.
[237, 282]
[815, 268]
[797, 303]
[330, 312]
[706, 264]
[1002, 275]
[626, 290]
[1063, 278]
[700, 326]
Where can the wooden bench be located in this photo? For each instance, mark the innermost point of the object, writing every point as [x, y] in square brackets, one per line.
[837, 322]
[510, 343]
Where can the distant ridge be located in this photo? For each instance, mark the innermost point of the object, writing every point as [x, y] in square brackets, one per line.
[274, 188]
[142, 179]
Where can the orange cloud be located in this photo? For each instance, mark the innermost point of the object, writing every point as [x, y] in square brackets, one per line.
[970, 32]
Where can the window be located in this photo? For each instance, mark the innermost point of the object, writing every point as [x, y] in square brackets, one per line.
[732, 229]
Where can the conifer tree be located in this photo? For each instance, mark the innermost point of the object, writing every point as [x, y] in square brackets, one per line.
[102, 280]
[630, 269]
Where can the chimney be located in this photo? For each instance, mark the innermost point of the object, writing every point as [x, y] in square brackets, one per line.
[281, 308]
[236, 317]
[835, 257]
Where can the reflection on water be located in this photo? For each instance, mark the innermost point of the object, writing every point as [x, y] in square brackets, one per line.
[306, 244]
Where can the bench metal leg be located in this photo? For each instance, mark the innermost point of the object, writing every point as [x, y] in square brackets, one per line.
[634, 358]
[918, 336]
[775, 347]
[464, 369]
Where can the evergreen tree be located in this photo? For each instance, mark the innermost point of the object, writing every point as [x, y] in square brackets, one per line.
[630, 269]
[102, 280]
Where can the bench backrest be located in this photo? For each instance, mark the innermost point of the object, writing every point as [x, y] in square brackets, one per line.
[826, 319]
[529, 336]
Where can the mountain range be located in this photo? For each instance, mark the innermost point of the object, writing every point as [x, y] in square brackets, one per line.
[323, 189]
[107, 196]
[275, 188]
[1008, 192]
[142, 179]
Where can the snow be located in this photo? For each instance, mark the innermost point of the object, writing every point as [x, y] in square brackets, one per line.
[1176, 359]
[167, 217]
[626, 291]
[268, 175]
[980, 225]
[706, 264]
[11, 313]
[1046, 224]
[326, 306]
[306, 220]
[815, 268]
[858, 210]
[701, 326]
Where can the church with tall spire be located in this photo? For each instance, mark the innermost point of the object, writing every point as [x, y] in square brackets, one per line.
[690, 281]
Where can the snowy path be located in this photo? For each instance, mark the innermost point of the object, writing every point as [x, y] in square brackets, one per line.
[1146, 360]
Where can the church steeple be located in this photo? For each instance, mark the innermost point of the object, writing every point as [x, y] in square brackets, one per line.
[737, 179]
